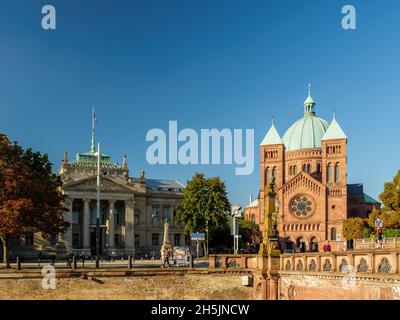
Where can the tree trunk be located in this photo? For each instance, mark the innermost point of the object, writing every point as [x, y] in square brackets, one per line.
[6, 260]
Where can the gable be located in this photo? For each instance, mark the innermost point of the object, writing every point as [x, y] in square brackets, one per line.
[305, 181]
[89, 185]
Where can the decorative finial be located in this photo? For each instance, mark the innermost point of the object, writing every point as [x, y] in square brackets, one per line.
[309, 89]
[124, 162]
[334, 113]
[65, 156]
[273, 120]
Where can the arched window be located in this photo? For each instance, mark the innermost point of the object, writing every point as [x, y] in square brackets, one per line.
[337, 172]
[304, 167]
[267, 175]
[294, 169]
[253, 218]
[309, 168]
[333, 234]
[318, 168]
[329, 172]
[275, 174]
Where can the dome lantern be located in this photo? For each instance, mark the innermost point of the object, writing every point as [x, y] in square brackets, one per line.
[309, 103]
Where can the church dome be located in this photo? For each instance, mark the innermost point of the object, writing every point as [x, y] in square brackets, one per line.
[306, 132]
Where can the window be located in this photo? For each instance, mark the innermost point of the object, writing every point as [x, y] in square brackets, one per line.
[308, 168]
[333, 234]
[294, 169]
[137, 240]
[155, 241]
[318, 168]
[155, 211]
[53, 239]
[253, 218]
[267, 175]
[93, 215]
[75, 217]
[137, 218]
[275, 174]
[29, 238]
[117, 243]
[165, 212]
[118, 213]
[304, 167]
[337, 172]
[177, 239]
[76, 243]
[329, 172]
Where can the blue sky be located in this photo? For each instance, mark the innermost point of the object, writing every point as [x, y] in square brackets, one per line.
[207, 64]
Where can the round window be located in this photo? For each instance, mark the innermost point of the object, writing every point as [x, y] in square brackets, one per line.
[302, 206]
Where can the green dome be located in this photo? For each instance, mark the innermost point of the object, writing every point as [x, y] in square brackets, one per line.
[306, 132]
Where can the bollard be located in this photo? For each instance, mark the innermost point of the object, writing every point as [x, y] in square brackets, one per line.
[129, 262]
[74, 262]
[18, 263]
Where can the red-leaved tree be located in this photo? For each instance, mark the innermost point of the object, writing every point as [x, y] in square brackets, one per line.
[30, 195]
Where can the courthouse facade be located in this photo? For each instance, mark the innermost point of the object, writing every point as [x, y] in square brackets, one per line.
[132, 212]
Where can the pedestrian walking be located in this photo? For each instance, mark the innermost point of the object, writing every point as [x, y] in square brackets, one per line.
[166, 259]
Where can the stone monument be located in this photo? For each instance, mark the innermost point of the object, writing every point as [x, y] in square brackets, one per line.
[269, 245]
[166, 246]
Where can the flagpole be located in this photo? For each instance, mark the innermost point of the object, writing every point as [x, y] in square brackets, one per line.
[98, 208]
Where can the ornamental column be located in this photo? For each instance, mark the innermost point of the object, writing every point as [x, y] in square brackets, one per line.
[111, 227]
[86, 223]
[129, 226]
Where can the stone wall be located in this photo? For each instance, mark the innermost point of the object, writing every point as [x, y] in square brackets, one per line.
[146, 285]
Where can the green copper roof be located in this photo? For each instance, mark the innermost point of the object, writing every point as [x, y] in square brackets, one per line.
[334, 132]
[305, 133]
[369, 199]
[89, 159]
[272, 137]
[308, 131]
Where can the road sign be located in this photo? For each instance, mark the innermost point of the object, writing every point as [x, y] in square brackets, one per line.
[235, 227]
[378, 223]
[198, 236]
[236, 211]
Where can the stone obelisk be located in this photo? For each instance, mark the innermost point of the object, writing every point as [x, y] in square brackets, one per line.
[166, 246]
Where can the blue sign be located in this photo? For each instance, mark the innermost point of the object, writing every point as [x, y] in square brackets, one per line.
[198, 235]
[378, 223]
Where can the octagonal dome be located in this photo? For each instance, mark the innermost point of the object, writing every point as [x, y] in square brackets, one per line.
[306, 132]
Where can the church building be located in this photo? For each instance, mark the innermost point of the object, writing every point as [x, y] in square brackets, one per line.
[309, 166]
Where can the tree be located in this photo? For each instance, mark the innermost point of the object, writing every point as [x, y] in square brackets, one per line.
[205, 205]
[390, 197]
[250, 232]
[30, 195]
[353, 228]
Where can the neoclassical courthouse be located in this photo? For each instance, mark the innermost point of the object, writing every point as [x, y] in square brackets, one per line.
[309, 165]
[132, 211]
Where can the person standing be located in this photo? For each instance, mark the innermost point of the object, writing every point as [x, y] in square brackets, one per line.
[327, 247]
[166, 259]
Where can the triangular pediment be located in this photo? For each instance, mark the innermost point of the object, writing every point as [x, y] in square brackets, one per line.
[303, 181]
[89, 185]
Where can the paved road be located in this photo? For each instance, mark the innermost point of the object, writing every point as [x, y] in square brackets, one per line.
[198, 263]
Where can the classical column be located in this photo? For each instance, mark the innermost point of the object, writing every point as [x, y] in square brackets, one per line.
[111, 227]
[86, 223]
[129, 226]
[67, 236]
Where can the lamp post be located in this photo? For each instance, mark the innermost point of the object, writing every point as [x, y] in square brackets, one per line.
[98, 208]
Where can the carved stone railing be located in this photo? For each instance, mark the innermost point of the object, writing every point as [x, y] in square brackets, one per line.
[364, 261]
[388, 243]
[232, 261]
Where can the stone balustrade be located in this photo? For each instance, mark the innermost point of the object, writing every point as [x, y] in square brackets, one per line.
[364, 244]
[371, 261]
[232, 261]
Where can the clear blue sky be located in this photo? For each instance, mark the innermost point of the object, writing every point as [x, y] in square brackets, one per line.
[223, 64]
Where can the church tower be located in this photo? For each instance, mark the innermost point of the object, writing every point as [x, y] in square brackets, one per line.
[272, 164]
[334, 176]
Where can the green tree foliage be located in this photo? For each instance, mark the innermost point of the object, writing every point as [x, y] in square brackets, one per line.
[390, 219]
[205, 205]
[391, 233]
[353, 228]
[390, 197]
[30, 194]
[249, 231]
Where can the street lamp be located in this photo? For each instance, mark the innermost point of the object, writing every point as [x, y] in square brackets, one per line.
[98, 208]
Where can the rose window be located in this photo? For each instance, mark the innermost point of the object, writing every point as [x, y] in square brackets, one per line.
[302, 206]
